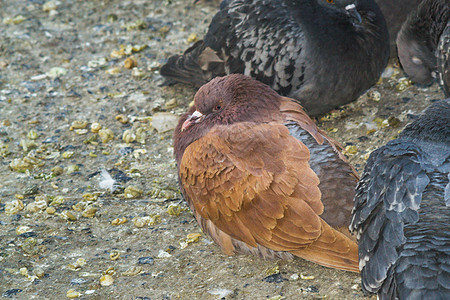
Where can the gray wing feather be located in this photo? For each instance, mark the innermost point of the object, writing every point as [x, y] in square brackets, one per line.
[337, 182]
[388, 196]
[447, 192]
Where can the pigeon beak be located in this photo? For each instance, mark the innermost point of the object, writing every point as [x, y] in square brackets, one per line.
[353, 13]
[196, 117]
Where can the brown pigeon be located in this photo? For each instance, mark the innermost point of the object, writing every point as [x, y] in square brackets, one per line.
[261, 178]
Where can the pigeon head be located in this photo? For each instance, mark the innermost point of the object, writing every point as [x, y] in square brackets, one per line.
[418, 39]
[222, 101]
[337, 3]
[346, 6]
[230, 99]
[417, 59]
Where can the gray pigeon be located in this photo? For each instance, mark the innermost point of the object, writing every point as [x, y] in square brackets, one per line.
[401, 212]
[323, 53]
[423, 43]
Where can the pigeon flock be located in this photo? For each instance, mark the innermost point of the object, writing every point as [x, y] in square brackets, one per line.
[261, 178]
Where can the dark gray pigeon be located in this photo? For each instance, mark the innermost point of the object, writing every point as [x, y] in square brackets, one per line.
[324, 53]
[395, 13]
[424, 40]
[402, 212]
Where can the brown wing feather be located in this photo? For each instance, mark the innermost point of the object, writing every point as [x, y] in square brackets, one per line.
[254, 183]
[333, 249]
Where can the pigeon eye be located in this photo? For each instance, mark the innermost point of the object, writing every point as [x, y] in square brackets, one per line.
[217, 107]
[416, 60]
[330, 1]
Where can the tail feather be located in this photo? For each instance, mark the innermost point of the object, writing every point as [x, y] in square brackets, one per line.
[196, 66]
[333, 249]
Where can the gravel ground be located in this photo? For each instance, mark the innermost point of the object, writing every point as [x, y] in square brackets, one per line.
[73, 110]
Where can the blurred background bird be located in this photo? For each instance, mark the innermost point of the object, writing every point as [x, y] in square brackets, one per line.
[395, 13]
[323, 53]
[424, 43]
[402, 212]
[261, 178]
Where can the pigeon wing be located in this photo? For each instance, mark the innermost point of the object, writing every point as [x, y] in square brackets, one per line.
[254, 183]
[388, 197]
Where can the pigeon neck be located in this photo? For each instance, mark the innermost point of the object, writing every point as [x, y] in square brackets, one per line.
[433, 125]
